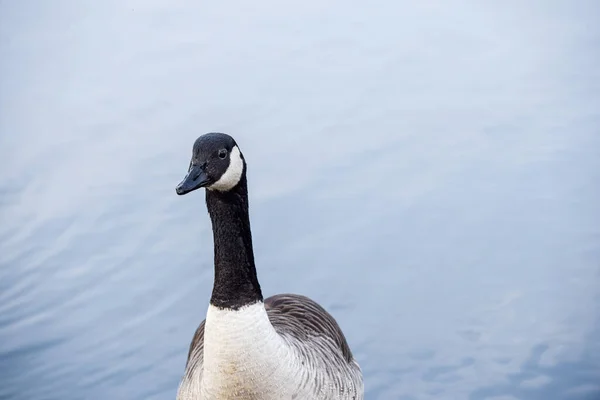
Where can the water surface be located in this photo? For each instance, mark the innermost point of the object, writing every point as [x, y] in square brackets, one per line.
[428, 172]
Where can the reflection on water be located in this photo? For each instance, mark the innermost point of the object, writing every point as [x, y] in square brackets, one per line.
[428, 172]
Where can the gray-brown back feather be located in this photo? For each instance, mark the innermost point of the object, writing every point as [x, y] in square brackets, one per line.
[303, 318]
[196, 351]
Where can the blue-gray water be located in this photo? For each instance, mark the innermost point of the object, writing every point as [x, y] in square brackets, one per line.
[428, 171]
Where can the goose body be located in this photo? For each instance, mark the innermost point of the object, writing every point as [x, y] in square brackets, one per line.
[283, 347]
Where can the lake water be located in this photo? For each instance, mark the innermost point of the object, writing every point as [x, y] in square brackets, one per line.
[429, 172]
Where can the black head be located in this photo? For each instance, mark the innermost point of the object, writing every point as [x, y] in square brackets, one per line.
[217, 164]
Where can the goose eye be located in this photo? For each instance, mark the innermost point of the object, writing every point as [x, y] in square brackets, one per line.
[222, 153]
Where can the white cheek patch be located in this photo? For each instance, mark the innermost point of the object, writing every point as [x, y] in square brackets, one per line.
[232, 176]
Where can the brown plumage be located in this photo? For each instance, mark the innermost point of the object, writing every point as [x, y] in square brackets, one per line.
[303, 318]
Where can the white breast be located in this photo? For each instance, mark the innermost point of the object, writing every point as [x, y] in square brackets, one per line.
[244, 357]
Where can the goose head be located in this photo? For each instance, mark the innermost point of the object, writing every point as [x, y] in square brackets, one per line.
[217, 164]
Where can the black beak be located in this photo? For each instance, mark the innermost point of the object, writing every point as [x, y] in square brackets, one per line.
[195, 179]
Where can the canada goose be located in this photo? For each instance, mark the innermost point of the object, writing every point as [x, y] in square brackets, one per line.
[285, 347]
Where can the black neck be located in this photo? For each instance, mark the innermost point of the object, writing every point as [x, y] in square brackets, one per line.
[235, 283]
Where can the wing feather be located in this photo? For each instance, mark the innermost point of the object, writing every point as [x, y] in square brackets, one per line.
[304, 318]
